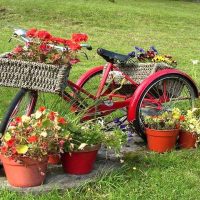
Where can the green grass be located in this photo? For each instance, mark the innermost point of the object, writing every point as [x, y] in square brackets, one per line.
[172, 26]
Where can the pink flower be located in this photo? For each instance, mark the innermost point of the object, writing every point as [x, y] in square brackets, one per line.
[74, 61]
[18, 49]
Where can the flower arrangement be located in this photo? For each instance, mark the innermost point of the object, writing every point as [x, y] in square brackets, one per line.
[190, 122]
[79, 136]
[151, 55]
[165, 121]
[35, 136]
[46, 132]
[42, 48]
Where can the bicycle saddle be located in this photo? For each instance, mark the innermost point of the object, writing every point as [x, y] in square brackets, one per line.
[112, 57]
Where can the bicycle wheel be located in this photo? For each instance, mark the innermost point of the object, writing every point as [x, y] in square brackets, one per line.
[163, 94]
[90, 84]
[23, 103]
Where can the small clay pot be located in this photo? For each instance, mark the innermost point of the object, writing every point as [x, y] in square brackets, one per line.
[79, 162]
[161, 140]
[187, 140]
[27, 173]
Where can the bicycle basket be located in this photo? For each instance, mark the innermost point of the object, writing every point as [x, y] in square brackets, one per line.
[33, 76]
[137, 71]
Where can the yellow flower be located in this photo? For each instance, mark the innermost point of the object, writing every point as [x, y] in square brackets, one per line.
[21, 149]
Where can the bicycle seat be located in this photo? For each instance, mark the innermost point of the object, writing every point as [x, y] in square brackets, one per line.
[112, 57]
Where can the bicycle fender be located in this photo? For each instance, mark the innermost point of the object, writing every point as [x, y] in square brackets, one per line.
[87, 74]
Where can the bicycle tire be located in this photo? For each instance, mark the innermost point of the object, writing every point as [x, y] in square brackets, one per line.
[15, 103]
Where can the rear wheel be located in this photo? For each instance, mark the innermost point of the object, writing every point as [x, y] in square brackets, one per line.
[163, 94]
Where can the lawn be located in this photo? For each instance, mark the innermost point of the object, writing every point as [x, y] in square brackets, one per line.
[172, 26]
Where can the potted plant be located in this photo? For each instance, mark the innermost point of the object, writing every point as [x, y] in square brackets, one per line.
[26, 145]
[190, 129]
[162, 130]
[81, 142]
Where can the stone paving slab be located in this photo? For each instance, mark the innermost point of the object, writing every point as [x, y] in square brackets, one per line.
[57, 179]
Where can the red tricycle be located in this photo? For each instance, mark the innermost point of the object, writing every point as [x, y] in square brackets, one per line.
[111, 94]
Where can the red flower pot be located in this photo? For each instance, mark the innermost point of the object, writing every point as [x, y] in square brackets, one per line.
[161, 140]
[79, 162]
[187, 140]
[27, 174]
[54, 159]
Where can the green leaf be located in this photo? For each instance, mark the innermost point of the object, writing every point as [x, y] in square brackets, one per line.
[7, 136]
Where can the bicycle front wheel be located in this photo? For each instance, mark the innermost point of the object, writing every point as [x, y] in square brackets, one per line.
[23, 104]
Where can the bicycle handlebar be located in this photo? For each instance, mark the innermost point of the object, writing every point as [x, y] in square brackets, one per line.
[22, 33]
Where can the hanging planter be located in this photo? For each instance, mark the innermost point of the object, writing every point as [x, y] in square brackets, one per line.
[161, 140]
[80, 162]
[28, 173]
[187, 140]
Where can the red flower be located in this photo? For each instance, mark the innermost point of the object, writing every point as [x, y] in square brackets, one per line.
[18, 49]
[79, 37]
[10, 142]
[42, 108]
[4, 149]
[72, 45]
[182, 118]
[18, 120]
[61, 120]
[74, 61]
[31, 32]
[44, 35]
[14, 151]
[51, 116]
[58, 40]
[44, 48]
[32, 139]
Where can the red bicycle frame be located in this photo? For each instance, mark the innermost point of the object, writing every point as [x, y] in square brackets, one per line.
[110, 105]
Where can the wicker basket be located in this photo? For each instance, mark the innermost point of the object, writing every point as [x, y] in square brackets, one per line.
[34, 76]
[137, 71]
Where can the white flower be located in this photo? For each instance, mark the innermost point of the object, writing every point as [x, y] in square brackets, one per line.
[57, 127]
[43, 133]
[195, 62]
[11, 128]
[26, 118]
[82, 146]
[38, 114]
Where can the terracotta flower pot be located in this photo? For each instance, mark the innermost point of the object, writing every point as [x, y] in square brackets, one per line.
[161, 140]
[27, 174]
[79, 162]
[54, 159]
[187, 140]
